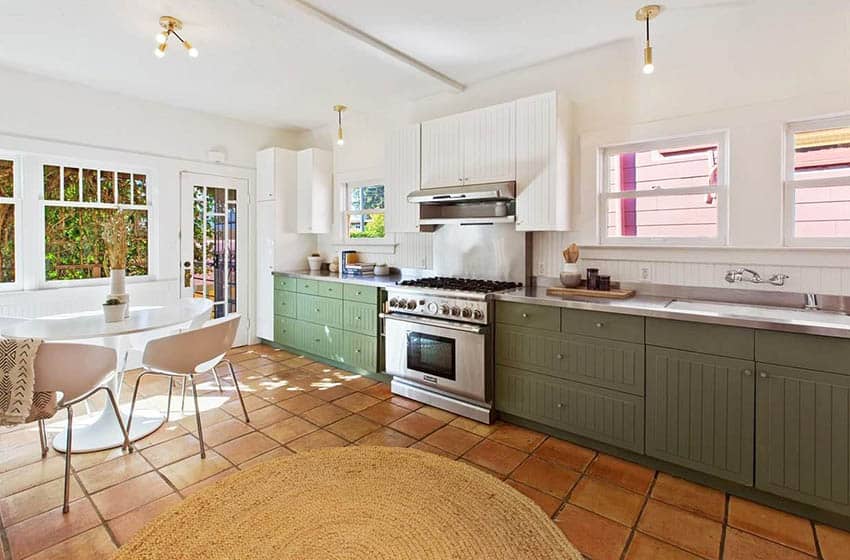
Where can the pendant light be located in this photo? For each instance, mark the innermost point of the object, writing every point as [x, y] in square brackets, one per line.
[339, 109]
[170, 26]
[645, 14]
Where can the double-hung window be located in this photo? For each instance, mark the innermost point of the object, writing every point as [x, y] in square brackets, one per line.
[364, 214]
[76, 201]
[817, 183]
[663, 192]
[9, 215]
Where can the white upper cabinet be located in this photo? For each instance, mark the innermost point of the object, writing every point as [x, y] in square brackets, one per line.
[489, 149]
[542, 155]
[275, 174]
[469, 148]
[442, 153]
[402, 178]
[315, 191]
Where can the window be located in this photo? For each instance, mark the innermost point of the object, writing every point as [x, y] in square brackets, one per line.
[8, 210]
[664, 192]
[817, 183]
[76, 202]
[364, 213]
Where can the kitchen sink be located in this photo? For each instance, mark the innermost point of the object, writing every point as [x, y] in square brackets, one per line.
[784, 314]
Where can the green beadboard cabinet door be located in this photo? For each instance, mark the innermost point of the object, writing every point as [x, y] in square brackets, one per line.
[285, 303]
[329, 289]
[305, 286]
[284, 283]
[803, 436]
[360, 351]
[600, 362]
[360, 318]
[362, 294]
[628, 328]
[322, 340]
[700, 412]
[320, 310]
[286, 332]
[601, 414]
[531, 316]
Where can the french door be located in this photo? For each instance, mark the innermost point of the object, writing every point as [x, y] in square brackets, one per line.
[213, 244]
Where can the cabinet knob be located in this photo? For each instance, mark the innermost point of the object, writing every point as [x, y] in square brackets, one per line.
[559, 356]
[358, 292]
[525, 315]
[600, 325]
[358, 350]
[763, 374]
[357, 318]
[747, 372]
[560, 405]
[317, 310]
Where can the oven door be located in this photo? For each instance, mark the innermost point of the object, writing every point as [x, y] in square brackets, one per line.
[449, 357]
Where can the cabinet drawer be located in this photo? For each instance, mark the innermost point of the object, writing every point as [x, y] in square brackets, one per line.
[700, 412]
[363, 294]
[286, 332]
[628, 328]
[360, 318]
[607, 416]
[804, 351]
[595, 361]
[320, 310]
[329, 289]
[735, 342]
[322, 340]
[360, 351]
[284, 283]
[532, 316]
[285, 303]
[304, 286]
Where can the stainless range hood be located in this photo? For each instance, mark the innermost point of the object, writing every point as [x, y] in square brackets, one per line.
[465, 193]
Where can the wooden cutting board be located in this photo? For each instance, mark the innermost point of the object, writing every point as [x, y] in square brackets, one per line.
[614, 293]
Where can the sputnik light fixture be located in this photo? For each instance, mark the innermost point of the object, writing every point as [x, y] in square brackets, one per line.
[648, 12]
[339, 138]
[170, 26]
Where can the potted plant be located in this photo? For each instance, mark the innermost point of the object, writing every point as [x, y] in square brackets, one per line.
[314, 261]
[115, 237]
[113, 310]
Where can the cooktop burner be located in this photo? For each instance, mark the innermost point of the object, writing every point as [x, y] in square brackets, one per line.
[461, 284]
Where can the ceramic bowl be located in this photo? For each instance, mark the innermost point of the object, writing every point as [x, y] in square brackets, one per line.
[570, 279]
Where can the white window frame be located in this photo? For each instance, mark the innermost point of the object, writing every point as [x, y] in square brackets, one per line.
[347, 188]
[98, 166]
[790, 185]
[720, 138]
[18, 200]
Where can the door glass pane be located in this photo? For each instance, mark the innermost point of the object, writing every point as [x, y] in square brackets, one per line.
[72, 184]
[214, 253]
[198, 243]
[7, 242]
[231, 258]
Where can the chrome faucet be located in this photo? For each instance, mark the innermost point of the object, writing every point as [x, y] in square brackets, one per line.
[812, 302]
[753, 277]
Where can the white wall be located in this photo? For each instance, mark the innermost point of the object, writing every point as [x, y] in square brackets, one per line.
[747, 74]
[41, 116]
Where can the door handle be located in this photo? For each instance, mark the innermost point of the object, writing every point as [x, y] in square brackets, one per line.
[187, 274]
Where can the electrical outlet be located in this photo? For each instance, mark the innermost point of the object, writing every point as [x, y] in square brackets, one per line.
[645, 274]
[541, 268]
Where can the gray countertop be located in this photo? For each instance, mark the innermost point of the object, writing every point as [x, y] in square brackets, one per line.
[816, 323]
[376, 281]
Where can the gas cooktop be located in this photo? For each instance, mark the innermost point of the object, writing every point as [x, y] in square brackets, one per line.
[461, 284]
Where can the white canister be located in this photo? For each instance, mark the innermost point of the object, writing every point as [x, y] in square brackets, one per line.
[314, 263]
[114, 313]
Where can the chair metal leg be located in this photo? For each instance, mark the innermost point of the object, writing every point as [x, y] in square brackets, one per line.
[168, 407]
[42, 438]
[238, 391]
[198, 416]
[127, 445]
[183, 400]
[70, 410]
[133, 402]
[217, 380]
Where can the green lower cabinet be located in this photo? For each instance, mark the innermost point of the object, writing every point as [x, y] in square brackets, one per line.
[285, 303]
[286, 331]
[321, 340]
[593, 412]
[360, 351]
[803, 435]
[320, 310]
[700, 412]
[360, 318]
[596, 361]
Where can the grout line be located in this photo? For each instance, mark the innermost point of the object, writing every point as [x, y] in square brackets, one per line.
[724, 526]
[640, 514]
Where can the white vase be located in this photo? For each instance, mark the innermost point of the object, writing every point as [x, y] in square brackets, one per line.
[314, 263]
[114, 313]
[118, 288]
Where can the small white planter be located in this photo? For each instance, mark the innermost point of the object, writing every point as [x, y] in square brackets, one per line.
[315, 263]
[382, 270]
[114, 313]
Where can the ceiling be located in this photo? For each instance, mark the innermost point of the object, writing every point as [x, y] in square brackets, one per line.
[269, 62]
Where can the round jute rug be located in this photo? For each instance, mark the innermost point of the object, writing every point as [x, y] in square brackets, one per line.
[371, 503]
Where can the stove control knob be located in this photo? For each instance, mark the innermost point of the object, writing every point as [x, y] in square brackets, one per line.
[466, 313]
[478, 315]
[455, 311]
[402, 303]
[432, 308]
[411, 304]
[444, 309]
[393, 302]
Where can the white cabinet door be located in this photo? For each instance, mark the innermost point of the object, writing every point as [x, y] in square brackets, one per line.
[442, 153]
[315, 191]
[402, 178]
[489, 149]
[264, 294]
[542, 151]
[266, 174]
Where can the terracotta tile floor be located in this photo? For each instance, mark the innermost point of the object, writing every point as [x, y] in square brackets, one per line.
[609, 508]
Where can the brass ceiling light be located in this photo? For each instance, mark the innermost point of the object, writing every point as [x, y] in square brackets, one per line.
[170, 26]
[648, 12]
[339, 109]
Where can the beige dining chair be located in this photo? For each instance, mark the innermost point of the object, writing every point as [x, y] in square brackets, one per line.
[77, 371]
[187, 354]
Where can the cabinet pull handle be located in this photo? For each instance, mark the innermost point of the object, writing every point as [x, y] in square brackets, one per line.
[525, 315]
[600, 325]
[763, 374]
[747, 372]
[317, 340]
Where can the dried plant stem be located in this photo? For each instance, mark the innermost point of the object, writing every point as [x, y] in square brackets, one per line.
[115, 236]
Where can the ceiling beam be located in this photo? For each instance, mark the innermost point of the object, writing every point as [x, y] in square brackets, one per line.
[352, 31]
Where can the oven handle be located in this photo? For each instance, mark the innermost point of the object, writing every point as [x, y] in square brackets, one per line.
[435, 323]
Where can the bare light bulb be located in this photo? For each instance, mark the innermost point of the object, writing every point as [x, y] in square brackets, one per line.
[193, 52]
[340, 141]
[159, 52]
[648, 66]
[161, 38]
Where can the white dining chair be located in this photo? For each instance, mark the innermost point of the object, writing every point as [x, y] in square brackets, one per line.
[187, 354]
[77, 371]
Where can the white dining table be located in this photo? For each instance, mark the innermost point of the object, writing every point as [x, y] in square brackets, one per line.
[104, 432]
